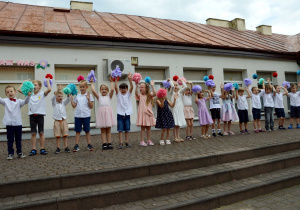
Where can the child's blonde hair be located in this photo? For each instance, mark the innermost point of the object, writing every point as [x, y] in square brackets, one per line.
[38, 81]
[83, 82]
[59, 92]
[103, 85]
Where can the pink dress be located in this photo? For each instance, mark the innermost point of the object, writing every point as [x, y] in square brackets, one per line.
[145, 114]
[105, 115]
[204, 116]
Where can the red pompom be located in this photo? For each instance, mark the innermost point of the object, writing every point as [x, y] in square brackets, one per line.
[49, 76]
[175, 78]
[79, 78]
[275, 74]
[117, 79]
[211, 77]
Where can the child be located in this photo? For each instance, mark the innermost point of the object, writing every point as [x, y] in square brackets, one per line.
[105, 117]
[278, 104]
[164, 119]
[228, 110]
[60, 116]
[242, 105]
[177, 110]
[188, 112]
[124, 110]
[204, 117]
[13, 120]
[37, 111]
[215, 110]
[268, 105]
[83, 103]
[295, 103]
[145, 117]
[256, 109]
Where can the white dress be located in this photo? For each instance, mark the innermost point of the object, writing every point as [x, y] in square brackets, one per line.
[177, 110]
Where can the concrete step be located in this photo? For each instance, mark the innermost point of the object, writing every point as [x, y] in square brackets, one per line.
[118, 192]
[29, 186]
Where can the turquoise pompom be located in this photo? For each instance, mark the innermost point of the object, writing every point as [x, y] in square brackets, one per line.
[254, 76]
[27, 87]
[236, 86]
[147, 79]
[73, 89]
[261, 80]
[67, 90]
[298, 72]
[205, 78]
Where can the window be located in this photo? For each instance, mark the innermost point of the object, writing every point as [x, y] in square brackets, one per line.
[66, 75]
[14, 76]
[291, 78]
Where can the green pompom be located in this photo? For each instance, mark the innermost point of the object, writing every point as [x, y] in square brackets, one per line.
[67, 90]
[27, 87]
[261, 80]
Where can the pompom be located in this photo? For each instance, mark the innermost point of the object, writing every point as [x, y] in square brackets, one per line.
[247, 82]
[261, 80]
[73, 89]
[236, 86]
[116, 73]
[166, 84]
[211, 77]
[287, 84]
[228, 86]
[210, 83]
[254, 76]
[67, 90]
[205, 78]
[161, 93]
[136, 77]
[180, 80]
[90, 76]
[45, 82]
[147, 80]
[175, 78]
[196, 89]
[27, 87]
[275, 74]
[79, 78]
[114, 79]
[298, 72]
[49, 76]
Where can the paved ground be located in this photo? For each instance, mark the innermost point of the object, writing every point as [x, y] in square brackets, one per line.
[84, 160]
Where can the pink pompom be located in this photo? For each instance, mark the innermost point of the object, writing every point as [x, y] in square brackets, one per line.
[79, 78]
[161, 93]
[136, 77]
[180, 80]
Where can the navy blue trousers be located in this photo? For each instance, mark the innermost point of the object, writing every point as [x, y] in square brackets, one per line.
[14, 133]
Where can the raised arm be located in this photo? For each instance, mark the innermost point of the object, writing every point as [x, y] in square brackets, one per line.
[116, 87]
[285, 90]
[248, 91]
[174, 102]
[172, 86]
[19, 88]
[53, 99]
[74, 104]
[153, 88]
[136, 90]
[181, 91]
[269, 82]
[236, 95]
[263, 85]
[161, 105]
[209, 94]
[93, 89]
[191, 88]
[112, 88]
[26, 101]
[130, 82]
[196, 98]
[48, 87]
[232, 96]
[223, 94]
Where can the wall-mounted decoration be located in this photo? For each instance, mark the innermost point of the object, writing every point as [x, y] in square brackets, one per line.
[43, 64]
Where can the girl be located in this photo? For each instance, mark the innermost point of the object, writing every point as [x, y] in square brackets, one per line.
[204, 118]
[164, 119]
[145, 117]
[177, 111]
[188, 112]
[278, 103]
[228, 110]
[105, 116]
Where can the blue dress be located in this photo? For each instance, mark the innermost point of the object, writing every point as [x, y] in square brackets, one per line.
[164, 117]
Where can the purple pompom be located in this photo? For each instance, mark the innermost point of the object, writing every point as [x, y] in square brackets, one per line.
[196, 88]
[45, 82]
[228, 87]
[91, 75]
[287, 84]
[210, 83]
[166, 84]
[116, 73]
[247, 81]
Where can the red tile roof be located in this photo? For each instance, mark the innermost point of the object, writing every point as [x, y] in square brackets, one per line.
[44, 20]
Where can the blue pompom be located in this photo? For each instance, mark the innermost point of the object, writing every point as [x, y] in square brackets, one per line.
[147, 79]
[73, 89]
[27, 87]
[205, 78]
[298, 72]
[254, 76]
[67, 90]
[236, 86]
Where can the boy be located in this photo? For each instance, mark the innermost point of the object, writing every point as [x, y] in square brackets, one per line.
[83, 103]
[215, 110]
[295, 103]
[13, 120]
[36, 112]
[278, 104]
[242, 105]
[60, 116]
[124, 110]
[256, 109]
[268, 105]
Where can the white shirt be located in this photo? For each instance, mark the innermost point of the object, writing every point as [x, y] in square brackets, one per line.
[242, 103]
[124, 105]
[214, 102]
[59, 109]
[278, 100]
[268, 99]
[82, 109]
[187, 100]
[12, 110]
[294, 98]
[37, 104]
[256, 103]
